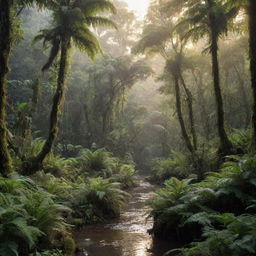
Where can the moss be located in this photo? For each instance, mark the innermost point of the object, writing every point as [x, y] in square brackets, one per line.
[77, 222]
[5, 45]
[69, 246]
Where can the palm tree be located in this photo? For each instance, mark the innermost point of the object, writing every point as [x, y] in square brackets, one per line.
[173, 67]
[160, 39]
[71, 25]
[211, 18]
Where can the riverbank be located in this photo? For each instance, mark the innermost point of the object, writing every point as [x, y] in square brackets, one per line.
[126, 236]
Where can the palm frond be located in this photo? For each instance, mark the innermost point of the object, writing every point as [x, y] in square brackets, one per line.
[152, 37]
[100, 21]
[85, 41]
[39, 3]
[53, 54]
[92, 7]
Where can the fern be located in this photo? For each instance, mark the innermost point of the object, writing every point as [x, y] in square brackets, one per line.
[213, 212]
[15, 231]
[176, 166]
[99, 199]
[125, 175]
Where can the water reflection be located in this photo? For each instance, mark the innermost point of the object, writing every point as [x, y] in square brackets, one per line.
[124, 237]
[99, 241]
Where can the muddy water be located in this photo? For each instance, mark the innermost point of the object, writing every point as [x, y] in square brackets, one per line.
[126, 236]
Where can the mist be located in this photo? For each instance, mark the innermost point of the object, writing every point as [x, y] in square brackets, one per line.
[127, 128]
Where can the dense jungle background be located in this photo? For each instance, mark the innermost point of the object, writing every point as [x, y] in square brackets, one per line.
[97, 101]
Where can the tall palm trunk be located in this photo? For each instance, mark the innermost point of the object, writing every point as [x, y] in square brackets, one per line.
[5, 46]
[58, 99]
[225, 144]
[180, 117]
[35, 96]
[57, 102]
[252, 47]
[202, 103]
[190, 111]
[242, 90]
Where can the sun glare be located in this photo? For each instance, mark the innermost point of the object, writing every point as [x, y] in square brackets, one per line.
[139, 6]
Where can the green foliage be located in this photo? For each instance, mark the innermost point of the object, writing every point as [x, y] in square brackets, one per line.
[34, 148]
[236, 237]
[177, 165]
[199, 20]
[182, 209]
[55, 252]
[69, 246]
[30, 218]
[101, 163]
[59, 166]
[59, 187]
[153, 38]
[241, 140]
[168, 208]
[15, 232]
[22, 106]
[217, 213]
[98, 162]
[54, 164]
[99, 199]
[125, 175]
[73, 20]
[45, 214]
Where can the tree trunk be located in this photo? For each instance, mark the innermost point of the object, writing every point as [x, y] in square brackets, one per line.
[36, 163]
[190, 111]
[89, 136]
[225, 144]
[245, 99]
[35, 97]
[180, 117]
[202, 103]
[5, 46]
[252, 47]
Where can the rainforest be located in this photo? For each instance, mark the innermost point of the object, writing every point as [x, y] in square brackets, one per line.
[127, 128]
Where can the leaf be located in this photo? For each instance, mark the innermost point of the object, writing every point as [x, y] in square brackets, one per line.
[101, 194]
[202, 218]
[9, 248]
[22, 106]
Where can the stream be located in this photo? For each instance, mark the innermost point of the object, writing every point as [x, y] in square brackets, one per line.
[126, 236]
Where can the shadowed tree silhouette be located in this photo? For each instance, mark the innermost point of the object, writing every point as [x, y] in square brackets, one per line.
[161, 39]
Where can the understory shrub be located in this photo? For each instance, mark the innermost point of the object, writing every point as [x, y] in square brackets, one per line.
[125, 175]
[98, 199]
[54, 164]
[181, 166]
[96, 163]
[216, 214]
[241, 140]
[30, 219]
[101, 163]
[55, 252]
[176, 166]
[35, 212]
[236, 237]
